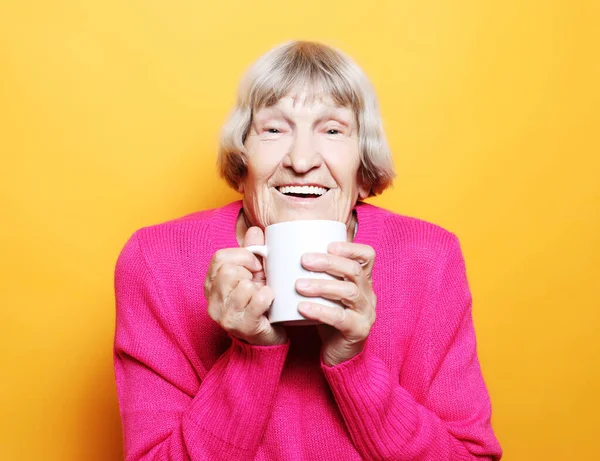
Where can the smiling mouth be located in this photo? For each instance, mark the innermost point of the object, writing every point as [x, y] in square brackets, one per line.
[302, 191]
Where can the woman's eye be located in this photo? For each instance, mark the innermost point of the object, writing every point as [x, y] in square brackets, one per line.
[333, 131]
[272, 130]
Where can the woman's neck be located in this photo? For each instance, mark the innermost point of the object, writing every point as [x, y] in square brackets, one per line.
[243, 224]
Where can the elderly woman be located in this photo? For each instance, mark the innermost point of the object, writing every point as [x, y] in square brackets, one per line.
[201, 372]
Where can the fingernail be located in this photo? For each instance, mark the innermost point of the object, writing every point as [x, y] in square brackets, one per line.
[306, 307]
[302, 283]
[309, 258]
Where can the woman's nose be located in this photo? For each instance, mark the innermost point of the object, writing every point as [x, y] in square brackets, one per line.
[303, 155]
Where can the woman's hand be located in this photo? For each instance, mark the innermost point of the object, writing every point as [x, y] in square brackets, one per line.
[237, 294]
[346, 329]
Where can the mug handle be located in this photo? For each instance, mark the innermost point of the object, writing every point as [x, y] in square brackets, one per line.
[261, 250]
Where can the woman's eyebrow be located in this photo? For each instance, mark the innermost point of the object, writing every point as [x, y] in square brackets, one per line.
[337, 117]
[322, 115]
[334, 114]
[272, 113]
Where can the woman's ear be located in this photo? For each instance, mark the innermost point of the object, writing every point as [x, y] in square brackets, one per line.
[242, 170]
[363, 190]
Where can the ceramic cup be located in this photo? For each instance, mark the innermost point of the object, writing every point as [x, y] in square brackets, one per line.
[286, 242]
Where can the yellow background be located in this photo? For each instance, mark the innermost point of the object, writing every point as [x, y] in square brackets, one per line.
[109, 116]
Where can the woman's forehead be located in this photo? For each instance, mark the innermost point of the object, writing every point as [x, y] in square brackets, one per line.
[322, 104]
[308, 97]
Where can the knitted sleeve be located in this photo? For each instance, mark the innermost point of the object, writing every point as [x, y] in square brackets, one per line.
[168, 412]
[452, 422]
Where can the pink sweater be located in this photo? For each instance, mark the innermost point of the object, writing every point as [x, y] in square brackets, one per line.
[189, 391]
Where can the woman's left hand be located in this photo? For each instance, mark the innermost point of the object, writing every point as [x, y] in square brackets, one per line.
[345, 330]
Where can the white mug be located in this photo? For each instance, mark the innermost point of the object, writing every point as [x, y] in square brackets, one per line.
[286, 242]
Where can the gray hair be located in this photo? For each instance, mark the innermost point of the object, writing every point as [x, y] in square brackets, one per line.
[323, 71]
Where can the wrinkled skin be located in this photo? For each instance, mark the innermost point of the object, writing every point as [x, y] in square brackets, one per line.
[298, 142]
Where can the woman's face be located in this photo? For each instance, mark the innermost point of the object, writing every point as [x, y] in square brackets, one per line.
[303, 160]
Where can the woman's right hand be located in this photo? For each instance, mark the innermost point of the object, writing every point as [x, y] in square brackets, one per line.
[238, 296]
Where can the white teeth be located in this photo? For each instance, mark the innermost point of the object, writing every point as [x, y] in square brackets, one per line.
[312, 190]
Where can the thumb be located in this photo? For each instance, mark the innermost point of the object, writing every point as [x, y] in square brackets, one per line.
[254, 236]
